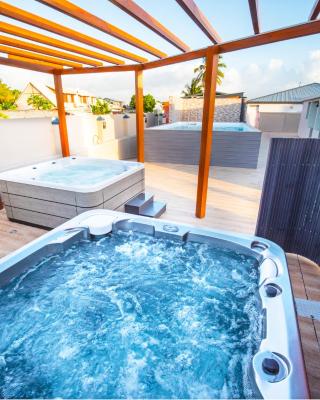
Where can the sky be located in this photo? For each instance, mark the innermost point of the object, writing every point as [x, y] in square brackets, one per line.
[256, 71]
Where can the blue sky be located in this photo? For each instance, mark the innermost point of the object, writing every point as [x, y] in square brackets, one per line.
[255, 71]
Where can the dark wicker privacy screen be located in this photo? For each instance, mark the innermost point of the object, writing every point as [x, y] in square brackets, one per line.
[289, 211]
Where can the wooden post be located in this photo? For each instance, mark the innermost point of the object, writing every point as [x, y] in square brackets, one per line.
[62, 116]
[206, 134]
[139, 115]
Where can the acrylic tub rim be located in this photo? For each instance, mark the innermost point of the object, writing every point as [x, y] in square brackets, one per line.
[12, 177]
[175, 127]
[282, 334]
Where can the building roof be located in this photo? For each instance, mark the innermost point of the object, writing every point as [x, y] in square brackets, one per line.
[295, 95]
[218, 94]
[113, 100]
[44, 90]
[80, 92]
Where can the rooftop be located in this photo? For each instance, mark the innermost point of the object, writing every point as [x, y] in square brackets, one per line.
[296, 95]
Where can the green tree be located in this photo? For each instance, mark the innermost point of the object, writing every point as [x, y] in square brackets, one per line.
[101, 107]
[3, 116]
[195, 88]
[39, 102]
[201, 71]
[8, 97]
[149, 103]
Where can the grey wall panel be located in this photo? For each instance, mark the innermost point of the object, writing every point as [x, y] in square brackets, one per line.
[112, 190]
[122, 197]
[290, 204]
[229, 149]
[42, 206]
[35, 218]
[42, 192]
[279, 122]
[3, 186]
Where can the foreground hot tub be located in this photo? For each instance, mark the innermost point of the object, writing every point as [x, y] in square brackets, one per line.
[49, 193]
[233, 144]
[110, 306]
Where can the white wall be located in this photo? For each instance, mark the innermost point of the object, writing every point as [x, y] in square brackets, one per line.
[31, 140]
[287, 108]
[25, 141]
[253, 110]
[252, 116]
[124, 126]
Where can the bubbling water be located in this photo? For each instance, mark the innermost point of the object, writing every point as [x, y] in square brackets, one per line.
[131, 316]
[82, 174]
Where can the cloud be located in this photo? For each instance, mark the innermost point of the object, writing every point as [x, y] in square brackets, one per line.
[232, 81]
[261, 79]
[275, 63]
[313, 67]
[18, 78]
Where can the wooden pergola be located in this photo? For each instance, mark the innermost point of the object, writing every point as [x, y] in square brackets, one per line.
[65, 58]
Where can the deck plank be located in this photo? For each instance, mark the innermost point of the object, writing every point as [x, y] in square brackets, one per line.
[14, 235]
[311, 278]
[296, 276]
[311, 351]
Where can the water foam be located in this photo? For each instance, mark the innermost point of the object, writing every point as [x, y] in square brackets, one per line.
[131, 316]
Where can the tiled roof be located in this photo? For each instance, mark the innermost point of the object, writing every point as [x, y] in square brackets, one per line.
[295, 95]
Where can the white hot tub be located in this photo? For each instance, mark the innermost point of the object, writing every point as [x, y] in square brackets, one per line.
[50, 193]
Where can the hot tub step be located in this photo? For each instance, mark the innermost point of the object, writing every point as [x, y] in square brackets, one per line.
[154, 210]
[139, 203]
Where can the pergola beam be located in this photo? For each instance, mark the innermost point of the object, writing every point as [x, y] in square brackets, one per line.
[194, 12]
[62, 116]
[253, 6]
[25, 65]
[139, 115]
[9, 41]
[84, 16]
[24, 16]
[206, 131]
[138, 13]
[38, 37]
[279, 35]
[38, 56]
[291, 32]
[315, 10]
[192, 55]
[36, 62]
[107, 68]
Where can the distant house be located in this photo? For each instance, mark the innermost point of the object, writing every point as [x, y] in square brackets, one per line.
[116, 105]
[281, 111]
[74, 100]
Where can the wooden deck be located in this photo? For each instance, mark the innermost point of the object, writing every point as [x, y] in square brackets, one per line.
[305, 280]
[233, 202]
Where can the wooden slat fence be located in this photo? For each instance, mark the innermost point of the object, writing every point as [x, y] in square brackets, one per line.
[289, 211]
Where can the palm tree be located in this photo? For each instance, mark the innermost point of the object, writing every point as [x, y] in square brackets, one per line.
[194, 89]
[201, 71]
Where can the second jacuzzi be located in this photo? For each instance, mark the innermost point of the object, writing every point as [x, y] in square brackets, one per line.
[234, 145]
[50, 193]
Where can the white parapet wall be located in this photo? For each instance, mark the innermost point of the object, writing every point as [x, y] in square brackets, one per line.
[24, 141]
[274, 117]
